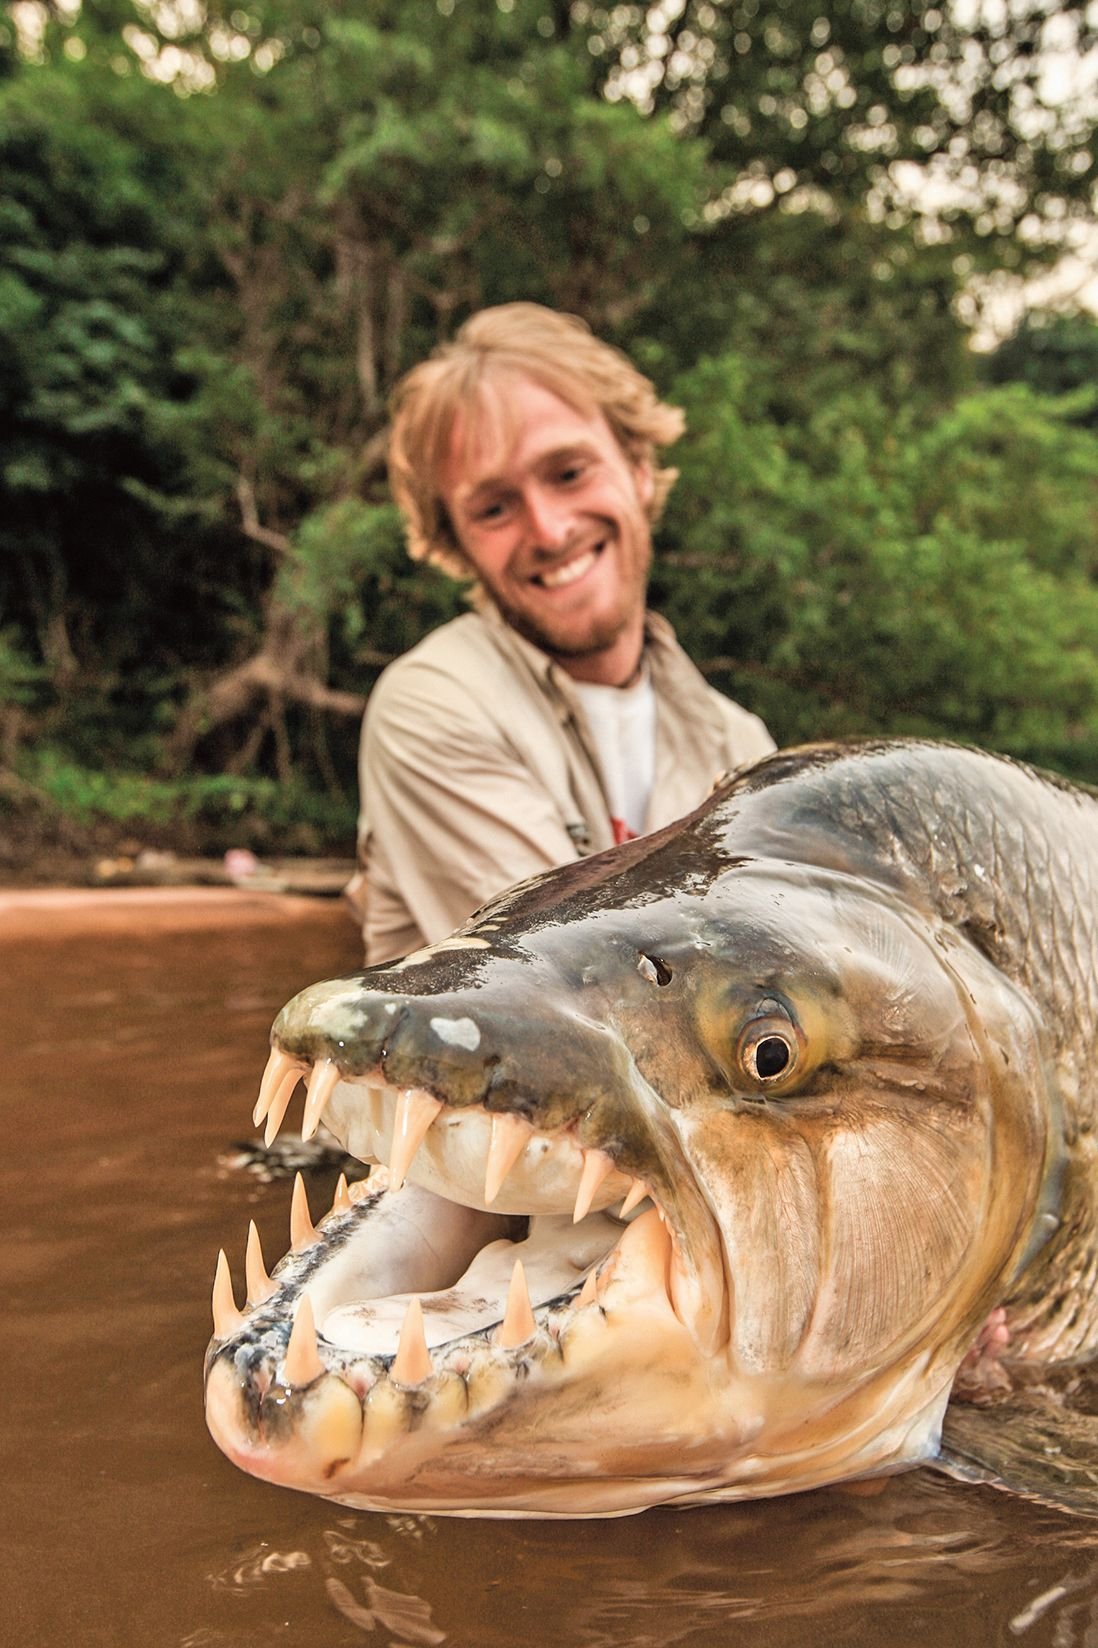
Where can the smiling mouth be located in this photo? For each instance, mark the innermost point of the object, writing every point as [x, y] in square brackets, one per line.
[571, 572]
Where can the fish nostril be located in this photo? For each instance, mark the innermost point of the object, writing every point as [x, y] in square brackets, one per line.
[655, 970]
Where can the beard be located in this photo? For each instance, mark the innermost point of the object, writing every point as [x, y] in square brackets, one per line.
[598, 636]
[578, 634]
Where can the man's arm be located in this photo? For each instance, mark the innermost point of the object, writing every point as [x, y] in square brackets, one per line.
[452, 814]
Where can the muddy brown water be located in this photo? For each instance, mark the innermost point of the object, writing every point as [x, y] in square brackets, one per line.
[133, 1031]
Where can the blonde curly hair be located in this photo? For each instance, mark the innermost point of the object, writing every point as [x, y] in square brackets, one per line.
[514, 340]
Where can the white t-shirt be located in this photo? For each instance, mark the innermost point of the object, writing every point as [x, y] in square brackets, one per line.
[623, 725]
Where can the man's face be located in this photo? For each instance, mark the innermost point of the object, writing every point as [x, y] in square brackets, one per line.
[551, 515]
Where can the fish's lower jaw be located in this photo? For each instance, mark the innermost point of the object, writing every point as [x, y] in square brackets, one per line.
[616, 1417]
[594, 1401]
[586, 1387]
[296, 1438]
[596, 1423]
[816, 1435]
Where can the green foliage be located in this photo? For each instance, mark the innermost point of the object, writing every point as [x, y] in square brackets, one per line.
[824, 107]
[348, 563]
[22, 681]
[869, 572]
[244, 811]
[223, 240]
[100, 562]
[1055, 355]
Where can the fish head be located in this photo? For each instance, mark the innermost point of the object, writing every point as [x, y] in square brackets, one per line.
[767, 1141]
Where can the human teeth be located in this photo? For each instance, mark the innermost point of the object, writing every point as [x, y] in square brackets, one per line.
[280, 1077]
[508, 1140]
[302, 1363]
[260, 1286]
[226, 1317]
[568, 573]
[302, 1229]
[415, 1112]
[596, 1165]
[638, 1190]
[412, 1362]
[518, 1326]
[323, 1079]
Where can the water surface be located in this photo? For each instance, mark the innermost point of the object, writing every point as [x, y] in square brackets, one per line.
[134, 1029]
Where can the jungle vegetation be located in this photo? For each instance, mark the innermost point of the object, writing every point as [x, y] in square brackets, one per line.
[226, 229]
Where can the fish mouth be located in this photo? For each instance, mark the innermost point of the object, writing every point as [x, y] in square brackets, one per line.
[481, 1260]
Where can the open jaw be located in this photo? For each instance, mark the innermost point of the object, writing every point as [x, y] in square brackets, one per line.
[506, 1319]
[491, 1278]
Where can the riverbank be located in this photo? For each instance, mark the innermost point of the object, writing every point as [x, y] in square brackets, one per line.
[41, 847]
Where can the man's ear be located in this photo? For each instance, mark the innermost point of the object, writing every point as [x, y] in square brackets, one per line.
[645, 482]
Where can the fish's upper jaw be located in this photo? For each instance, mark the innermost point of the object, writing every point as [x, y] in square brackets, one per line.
[498, 1160]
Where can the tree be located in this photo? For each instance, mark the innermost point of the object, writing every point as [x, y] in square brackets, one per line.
[99, 564]
[378, 179]
[873, 572]
[228, 229]
[1055, 354]
[956, 118]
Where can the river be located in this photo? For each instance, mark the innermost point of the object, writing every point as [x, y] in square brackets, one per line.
[134, 1029]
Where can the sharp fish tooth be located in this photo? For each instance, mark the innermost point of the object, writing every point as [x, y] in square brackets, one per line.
[596, 1165]
[698, 1307]
[302, 1363]
[226, 1317]
[341, 1201]
[638, 1190]
[508, 1140]
[412, 1362]
[518, 1326]
[272, 1070]
[645, 1247]
[260, 1286]
[415, 1112]
[323, 1079]
[280, 1102]
[302, 1229]
[277, 1070]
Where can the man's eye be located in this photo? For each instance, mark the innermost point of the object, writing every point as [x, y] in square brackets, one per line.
[489, 512]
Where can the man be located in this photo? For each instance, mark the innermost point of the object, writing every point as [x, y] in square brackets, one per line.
[559, 716]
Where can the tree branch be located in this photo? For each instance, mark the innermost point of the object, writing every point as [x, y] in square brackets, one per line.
[252, 526]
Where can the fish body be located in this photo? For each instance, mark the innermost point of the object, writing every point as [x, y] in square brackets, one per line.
[786, 1113]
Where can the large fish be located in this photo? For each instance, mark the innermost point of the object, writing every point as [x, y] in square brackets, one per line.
[715, 1163]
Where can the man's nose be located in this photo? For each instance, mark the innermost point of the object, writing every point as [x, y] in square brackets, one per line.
[548, 518]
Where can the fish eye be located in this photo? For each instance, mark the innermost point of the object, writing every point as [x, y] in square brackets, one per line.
[770, 1056]
[769, 1049]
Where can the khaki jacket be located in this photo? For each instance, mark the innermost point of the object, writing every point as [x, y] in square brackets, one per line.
[477, 769]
